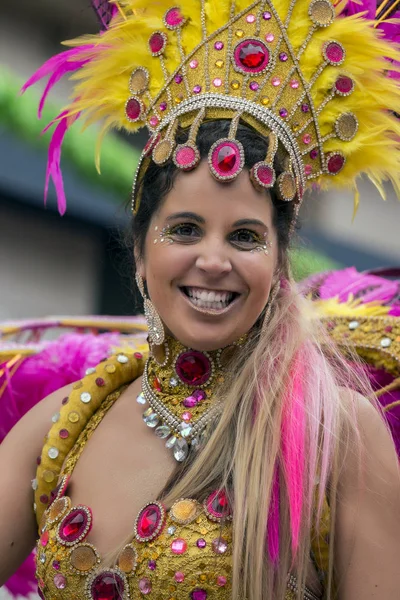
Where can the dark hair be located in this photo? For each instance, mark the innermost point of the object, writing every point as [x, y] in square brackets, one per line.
[158, 181]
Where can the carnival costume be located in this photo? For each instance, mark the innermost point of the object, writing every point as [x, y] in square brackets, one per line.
[320, 83]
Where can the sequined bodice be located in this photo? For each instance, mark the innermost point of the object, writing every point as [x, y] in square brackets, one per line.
[181, 553]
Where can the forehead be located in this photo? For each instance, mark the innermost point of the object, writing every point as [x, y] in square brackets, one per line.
[197, 191]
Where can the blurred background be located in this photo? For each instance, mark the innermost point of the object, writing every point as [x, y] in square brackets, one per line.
[77, 264]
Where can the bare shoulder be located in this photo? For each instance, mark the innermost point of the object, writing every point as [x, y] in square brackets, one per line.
[18, 454]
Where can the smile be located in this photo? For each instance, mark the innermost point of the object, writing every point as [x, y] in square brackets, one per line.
[211, 302]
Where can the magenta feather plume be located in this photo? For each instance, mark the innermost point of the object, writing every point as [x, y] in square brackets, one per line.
[104, 11]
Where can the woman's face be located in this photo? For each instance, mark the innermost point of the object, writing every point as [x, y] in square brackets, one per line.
[205, 265]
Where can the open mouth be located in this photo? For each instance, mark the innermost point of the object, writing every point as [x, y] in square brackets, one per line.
[210, 300]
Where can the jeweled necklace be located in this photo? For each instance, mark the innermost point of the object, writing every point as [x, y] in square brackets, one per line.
[180, 394]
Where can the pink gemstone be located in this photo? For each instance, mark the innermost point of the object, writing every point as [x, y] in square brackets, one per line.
[179, 576]
[221, 581]
[44, 499]
[138, 355]
[74, 525]
[254, 86]
[64, 433]
[193, 64]
[38, 460]
[217, 82]
[154, 121]
[193, 367]
[133, 109]
[149, 521]
[201, 543]
[107, 586]
[145, 585]
[250, 18]
[173, 17]
[389, 329]
[306, 138]
[44, 539]
[56, 565]
[313, 153]
[198, 594]
[344, 85]
[335, 163]
[218, 505]
[305, 108]
[100, 382]
[334, 52]
[178, 79]
[283, 56]
[266, 16]
[190, 402]
[219, 545]
[163, 106]
[199, 395]
[187, 416]
[179, 546]
[283, 113]
[270, 37]
[308, 170]
[64, 400]
[219, 45]
[157, 43]
[265, 174]
[197, 89]
[59, 581]
[152, 565]
[185, 156]
[252, 55]
[294, 84]
[276, 81]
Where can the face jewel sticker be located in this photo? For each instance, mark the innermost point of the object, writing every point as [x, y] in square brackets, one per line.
[226, 159]
[251, 56]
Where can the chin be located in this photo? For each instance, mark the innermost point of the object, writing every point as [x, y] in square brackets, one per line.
[205, 338]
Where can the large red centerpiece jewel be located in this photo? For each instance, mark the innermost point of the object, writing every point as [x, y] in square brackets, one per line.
[193, 367]
[150, 522]
[226, 159]
[108, 585]
[251, 56]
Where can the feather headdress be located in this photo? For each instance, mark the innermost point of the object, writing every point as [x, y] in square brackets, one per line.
[310, 75]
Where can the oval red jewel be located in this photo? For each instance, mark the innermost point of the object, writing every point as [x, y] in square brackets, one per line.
[107, 586]
[133, 109]
[149, 522]
[334, 53]
[193, 367]
[252, 56]
[266, 175]
[335, 163]
[75, 526]
[344, 85]
[100, 382]
[226, 159]
[157, 42]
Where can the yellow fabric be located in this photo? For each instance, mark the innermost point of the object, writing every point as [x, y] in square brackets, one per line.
[202, 567]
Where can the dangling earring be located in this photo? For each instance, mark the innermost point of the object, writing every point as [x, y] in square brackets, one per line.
[154, 323]
[272, 297]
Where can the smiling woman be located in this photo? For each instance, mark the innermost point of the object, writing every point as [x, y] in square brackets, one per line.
[270, 476]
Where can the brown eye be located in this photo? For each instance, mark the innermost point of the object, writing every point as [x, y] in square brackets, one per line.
[184, 231]
[245, 238]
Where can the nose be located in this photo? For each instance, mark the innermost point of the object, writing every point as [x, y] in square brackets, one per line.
[213, 258]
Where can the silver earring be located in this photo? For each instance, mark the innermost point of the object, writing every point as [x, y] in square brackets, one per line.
[272, 297]
[154, 323]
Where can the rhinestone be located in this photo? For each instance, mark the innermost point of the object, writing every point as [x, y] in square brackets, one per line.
[185, 429]
[201, 543]
[154, 121]
[171, 530]
[294, 84]
[90, 371]
[219, 63]
[197, 89]
[179, 546]
[305, 108]
[42, 558]
[265, 101]
[34, 484]
[173, 18]
[335, 163]
[353, 324]
[180, 450]
[307, 138]
[178, 79]
[314, 153]
[270, 37]
[219, 545]
[121, 358]
[308, 169]
[141, 399]
[149, 522]
[162, 432]
[267, 16]
[254, 86]
[53, 452]
[283, 57]
[55, 417]
[75, 526]
[133, 109]
[235, 84]
[344, 85]
[217, 82]
[59, 581]
[219, 45]
[151, 420]
[163, 106]
[145, 585]
[198, 594]
[386, 342]
[184, 511]
[171, 442]
[152, 565]
[179, 576]
[194, 64]
[157, 42]
[86, 397]
[56, 565]
[173, 382]
[283, 113]
[276, 81]
[334, 53]
[221, 581]
[239, 33]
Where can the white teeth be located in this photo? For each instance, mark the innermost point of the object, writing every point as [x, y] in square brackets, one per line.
[209, 305]
[209, 296]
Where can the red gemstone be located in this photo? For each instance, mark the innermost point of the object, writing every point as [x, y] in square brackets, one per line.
[173, 17]
[266, 174]
[133, 109]
[334, 52]
[157, 384]
[344, 85]
[149, 522]
[252, 55]
[75, 526]
[218, 505]
[226, 159]
[193, 367]
[44, 538]
[157, 42]
[335, 163]
[107, 586]
[100, 382]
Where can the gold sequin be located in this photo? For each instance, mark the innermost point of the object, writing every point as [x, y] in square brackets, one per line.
[265, 100]
[58, 509]
[127, 560]
[184, 511]
[287, 186]
[346, 127]
[73, 417]
[139, 81]
[235, 84]
[83, 558]
[239, 33]
[219, 64]
[111, 369]
[49, 476]
[162, 151]
[321, 12]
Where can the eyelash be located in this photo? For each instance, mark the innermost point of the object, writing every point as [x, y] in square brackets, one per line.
[258, 241]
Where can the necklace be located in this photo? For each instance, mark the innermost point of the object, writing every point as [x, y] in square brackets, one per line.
[180, 394]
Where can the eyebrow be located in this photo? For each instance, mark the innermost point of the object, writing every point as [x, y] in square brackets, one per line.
[186, 215]
[243, 222]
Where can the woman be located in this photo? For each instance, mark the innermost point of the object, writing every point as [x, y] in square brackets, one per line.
[275, 475]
